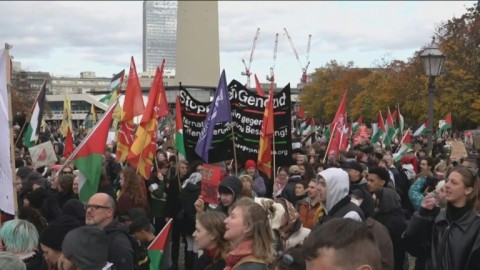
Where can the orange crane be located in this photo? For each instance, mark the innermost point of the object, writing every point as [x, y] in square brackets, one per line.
[304, 77]
[271, 78]
[247, 68]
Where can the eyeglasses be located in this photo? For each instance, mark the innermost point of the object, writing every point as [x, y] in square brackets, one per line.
[95, 207]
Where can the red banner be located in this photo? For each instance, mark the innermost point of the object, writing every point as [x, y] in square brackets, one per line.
[211, 177]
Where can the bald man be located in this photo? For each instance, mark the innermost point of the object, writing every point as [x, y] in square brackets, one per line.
[100, 212]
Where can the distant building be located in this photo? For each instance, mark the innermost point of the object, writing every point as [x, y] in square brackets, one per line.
[27, 82]
[86, 83]
[159, 34]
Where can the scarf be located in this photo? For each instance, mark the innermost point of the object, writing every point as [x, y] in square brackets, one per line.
[244, 249]
[278, 186]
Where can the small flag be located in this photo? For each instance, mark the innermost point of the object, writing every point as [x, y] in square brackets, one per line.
[33, 129]
[422, 129]
[339, 129]
[258, 86]
[158, 248]
[179, 142]
[445, 124]
[390, 129]
[405, 147]
[380, 131]
[115, 88]
[264, 159]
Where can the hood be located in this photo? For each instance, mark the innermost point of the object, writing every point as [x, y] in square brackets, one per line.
[74, 208]
[233, 184]
[337, 185]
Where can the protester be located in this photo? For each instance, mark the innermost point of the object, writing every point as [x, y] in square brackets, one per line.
[341, 243]
[247, 186]
[132, 193]
[294, 177]
[292, 232]
[310, 206]
[143, 230]
[258, 181]
[157, 197]
[448, 238]
[85, 248]
[11, 262]
[20, 238]
[280, 181]
[52, 238]
[229, 192]
[250, 235]
[100, 212]
[208, 235]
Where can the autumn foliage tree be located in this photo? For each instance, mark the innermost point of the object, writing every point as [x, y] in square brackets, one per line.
[404, 82]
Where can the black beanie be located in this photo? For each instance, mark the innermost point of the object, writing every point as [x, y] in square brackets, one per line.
[53, 235]
[86, 247]
[36, 197]
[23, 172]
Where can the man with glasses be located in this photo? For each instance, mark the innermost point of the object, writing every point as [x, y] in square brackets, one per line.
[100, 212]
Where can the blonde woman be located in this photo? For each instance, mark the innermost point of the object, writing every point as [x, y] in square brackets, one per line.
[208, 236]
[250, 235]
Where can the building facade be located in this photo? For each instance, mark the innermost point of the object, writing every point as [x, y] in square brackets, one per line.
[86, 83]
[159, 34]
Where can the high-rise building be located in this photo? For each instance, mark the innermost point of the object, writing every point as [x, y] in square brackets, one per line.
[159, 34]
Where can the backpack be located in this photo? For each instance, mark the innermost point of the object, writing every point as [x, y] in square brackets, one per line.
[140, 253]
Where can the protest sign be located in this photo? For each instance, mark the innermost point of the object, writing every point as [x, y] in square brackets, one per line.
[211, 177]
[42, 154]
[458, 150]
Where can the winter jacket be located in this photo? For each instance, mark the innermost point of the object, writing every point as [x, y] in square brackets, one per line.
[120, 250]
[288, 191]
[258, 184]
[368, 205]
[307, 212]
[125, 202]
[391, 215]
[188, 196]
[205, 262]
[445, 245]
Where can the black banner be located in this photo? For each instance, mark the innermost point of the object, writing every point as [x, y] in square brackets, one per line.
[247, 116]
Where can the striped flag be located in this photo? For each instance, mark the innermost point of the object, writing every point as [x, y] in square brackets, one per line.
[405, 147]
[378, 135]
[422, 129]
[264, 159]
[115, 88]
[445, 124]
[132, 107]
[158, 248]
[389, 128]
[143, 148]
[33, 129]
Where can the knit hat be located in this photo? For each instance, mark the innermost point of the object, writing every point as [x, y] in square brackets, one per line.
[250, 163]
[53, 235]
[11, 262]
[294, 169]
[354, 166]
[230, 185]
[86, 247]
[76, 209]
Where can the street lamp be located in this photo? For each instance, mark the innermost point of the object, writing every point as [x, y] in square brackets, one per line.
[433, 60]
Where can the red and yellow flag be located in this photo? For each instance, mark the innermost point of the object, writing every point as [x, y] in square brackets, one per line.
[133, 106]
[264, 159]
[143, 149]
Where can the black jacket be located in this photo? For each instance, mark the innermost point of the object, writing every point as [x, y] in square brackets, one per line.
[188, 197]
[120, 250]
[445, 245]
[205, 263]
[368, 205]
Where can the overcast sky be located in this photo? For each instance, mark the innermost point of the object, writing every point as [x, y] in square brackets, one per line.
[65, 38]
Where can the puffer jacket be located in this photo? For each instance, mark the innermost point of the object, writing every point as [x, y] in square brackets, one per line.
[445, 245]
[415, 193]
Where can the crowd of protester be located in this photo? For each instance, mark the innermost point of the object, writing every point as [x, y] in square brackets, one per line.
[362, 210]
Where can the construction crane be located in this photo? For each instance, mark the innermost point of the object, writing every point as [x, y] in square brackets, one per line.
[271, 78]
[247, 68]
[304, 77]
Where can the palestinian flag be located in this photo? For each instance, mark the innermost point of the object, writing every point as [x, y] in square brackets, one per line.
[405, 147]
[422, 129]
[308, 126]
[179, 143]
[115, 88]
[390, 129]
[88, 157]
[33, 129]
[377, 137]
[445, 124]
[356, 124]
[158, 246]
[398, 117]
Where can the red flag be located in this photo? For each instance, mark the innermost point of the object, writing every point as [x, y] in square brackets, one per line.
[301, 112]
[143, 149]
[68, 144]
[133, 106]
[264, 159]
[339, 129]
[259, 87]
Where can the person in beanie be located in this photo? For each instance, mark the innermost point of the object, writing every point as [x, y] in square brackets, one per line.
[85, 248]
[52, 237]
[229, 190]
[258, 181]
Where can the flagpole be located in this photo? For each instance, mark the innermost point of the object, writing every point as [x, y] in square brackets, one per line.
[274, 156]
[234, 148]
[77, 149]
[10, 123]
[329, 142]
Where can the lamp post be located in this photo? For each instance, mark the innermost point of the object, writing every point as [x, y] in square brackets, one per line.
[432, 59]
